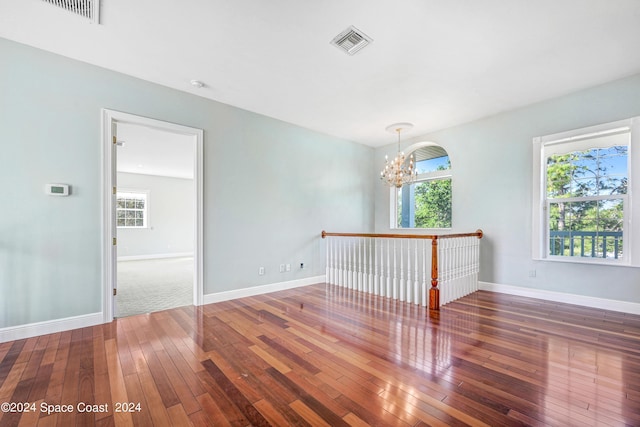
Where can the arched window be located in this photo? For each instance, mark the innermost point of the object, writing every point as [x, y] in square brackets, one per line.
[427, 202]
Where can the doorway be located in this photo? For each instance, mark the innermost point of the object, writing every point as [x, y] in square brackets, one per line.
[152, 216]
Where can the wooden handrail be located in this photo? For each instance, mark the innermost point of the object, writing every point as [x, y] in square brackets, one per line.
[477, 234]
[434, 292]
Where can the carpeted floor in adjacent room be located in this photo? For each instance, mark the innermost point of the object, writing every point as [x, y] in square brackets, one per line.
[152, 285]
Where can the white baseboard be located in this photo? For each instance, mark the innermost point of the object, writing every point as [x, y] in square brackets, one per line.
[602, 303]
[263, 289]
[154, 256]
[13, 333]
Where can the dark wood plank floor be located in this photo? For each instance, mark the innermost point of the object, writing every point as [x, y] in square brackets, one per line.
[326, 356]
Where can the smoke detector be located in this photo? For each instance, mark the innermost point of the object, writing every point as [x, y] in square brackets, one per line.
[89, 9]
[351, 40]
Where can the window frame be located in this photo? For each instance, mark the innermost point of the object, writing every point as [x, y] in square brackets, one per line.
[540, 204]
[145, 218]
[437, 175]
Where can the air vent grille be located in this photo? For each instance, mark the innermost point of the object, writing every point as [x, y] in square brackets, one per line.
[89, 9]
[351, 40]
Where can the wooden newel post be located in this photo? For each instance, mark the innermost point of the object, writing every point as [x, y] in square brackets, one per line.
[434, 292]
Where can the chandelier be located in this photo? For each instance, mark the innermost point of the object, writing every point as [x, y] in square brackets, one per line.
[395, 172]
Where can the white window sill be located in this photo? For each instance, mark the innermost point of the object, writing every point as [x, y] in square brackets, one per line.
[592, 261]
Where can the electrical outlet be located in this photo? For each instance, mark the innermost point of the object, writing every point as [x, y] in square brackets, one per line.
[288, 267]
[261, 271]
[281, 268]
[301, 265]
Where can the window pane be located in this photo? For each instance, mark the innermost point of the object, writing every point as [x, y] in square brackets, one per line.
[425, 204]
[139, 204]
[591, 172]
[139, 223]
[435, 164]
[586, 229]
[130, 203]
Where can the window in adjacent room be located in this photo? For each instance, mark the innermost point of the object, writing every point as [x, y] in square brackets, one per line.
[131, 209]
[427, 202]
[582, 194]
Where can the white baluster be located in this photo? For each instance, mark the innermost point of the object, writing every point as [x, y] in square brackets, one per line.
[334, 272]
[354, 265]
[395, 270]
[332, 255]
[423, 288]
[356, 269]
[329, 260]
[352, 250]
[343, 270]
[374, 266]
[347, 260]
[354, 272]
[442, 271]
[469, 266]
[416, 290]
[339, 247]
[388, 281]
[453, 262]
[327, 274]
[360, 266]
[401, 283]
[377, 260]
[336, 261]
[370, 276]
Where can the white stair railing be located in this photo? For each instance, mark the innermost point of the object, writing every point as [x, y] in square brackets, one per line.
[407, 268]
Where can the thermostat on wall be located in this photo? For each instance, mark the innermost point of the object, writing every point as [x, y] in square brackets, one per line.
[57, 189]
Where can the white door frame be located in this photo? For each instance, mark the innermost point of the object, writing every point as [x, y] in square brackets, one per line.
[109, 261]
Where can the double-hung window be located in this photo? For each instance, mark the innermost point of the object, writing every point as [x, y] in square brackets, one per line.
[582, 194]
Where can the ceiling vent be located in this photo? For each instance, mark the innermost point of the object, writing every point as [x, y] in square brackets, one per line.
[351, 40]
[89, 9]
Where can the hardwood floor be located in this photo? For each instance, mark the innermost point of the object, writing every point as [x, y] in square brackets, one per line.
[326, 356]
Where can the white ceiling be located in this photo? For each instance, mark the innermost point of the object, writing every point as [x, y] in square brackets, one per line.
[150, 151]
[435, 63]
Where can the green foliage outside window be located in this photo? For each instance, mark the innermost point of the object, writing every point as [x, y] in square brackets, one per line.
[431, 207]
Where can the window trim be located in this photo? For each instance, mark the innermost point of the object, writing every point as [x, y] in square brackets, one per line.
[540, 223]
[146, 217]
[423, 177]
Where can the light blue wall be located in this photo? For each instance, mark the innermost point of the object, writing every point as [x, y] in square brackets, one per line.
[270, 187]
[290, 184]
[492, 189]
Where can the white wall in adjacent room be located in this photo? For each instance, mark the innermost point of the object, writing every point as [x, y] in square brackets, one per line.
[170, 221]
